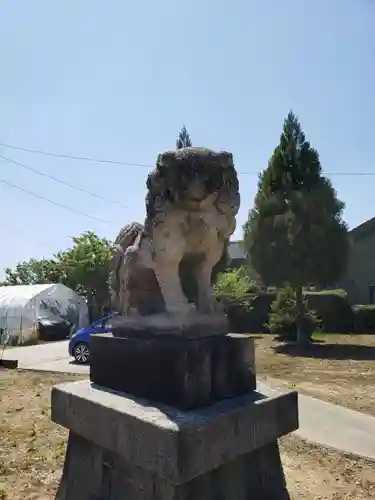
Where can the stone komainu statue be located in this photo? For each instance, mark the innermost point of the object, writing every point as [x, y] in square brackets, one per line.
[191, 205]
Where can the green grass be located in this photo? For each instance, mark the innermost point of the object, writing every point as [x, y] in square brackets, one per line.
[327, 336]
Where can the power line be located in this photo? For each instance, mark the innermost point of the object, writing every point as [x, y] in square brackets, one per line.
[77, 188]
[144, 165]
[71, 157]
[343, 174]
[52, 201]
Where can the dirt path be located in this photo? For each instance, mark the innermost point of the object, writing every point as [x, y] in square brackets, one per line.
[317, 473]
[340, 371]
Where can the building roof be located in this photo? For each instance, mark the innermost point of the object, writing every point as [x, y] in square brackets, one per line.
[235, 250]
[363, 229]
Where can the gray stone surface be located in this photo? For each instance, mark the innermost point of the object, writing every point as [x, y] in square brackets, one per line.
[193, 325]
[176, 446]
[92, 473]
[183, 373]
[191, 204]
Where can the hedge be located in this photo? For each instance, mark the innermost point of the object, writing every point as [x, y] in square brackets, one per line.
[364, 318]
[247, 313]
[250, 312]
[333, 309]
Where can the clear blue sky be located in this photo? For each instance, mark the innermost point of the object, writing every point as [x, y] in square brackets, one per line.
[117, 79]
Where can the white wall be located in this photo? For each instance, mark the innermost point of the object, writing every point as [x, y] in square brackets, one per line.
[235, 251]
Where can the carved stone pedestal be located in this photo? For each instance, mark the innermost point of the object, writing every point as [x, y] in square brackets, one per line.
[181, 372]
[122, 448]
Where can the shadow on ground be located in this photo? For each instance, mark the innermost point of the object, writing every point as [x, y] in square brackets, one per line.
[329, 351]
[73, 362]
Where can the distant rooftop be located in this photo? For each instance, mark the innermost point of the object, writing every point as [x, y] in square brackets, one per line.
[363, 229]
[235, 250]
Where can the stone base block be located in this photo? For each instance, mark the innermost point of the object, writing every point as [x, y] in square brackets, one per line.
[193, 325]
[124, 449]
[184, 373]
[91, 473]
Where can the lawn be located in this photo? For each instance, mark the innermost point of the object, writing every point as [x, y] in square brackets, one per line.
[338, 368]
[32, 450]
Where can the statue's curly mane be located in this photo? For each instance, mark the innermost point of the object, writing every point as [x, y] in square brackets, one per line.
[175, 169]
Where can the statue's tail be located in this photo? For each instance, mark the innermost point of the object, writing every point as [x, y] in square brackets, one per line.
[127, 237]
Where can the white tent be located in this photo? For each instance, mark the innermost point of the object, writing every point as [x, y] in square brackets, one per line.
[23, 306]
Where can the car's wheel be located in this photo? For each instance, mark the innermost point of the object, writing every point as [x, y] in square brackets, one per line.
[81, 353]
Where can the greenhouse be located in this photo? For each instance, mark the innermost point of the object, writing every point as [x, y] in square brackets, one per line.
[24, 308]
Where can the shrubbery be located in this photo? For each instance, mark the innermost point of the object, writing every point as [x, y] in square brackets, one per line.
[233, 289]
[239, 312]
[250, 310]
[333, 309]
[283, 314]
[364, 318]
[234, 282]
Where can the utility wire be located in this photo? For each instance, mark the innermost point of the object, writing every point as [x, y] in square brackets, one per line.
[52, 201]
[71, 157]
[27, 167]
[344, 174]
[130, 164]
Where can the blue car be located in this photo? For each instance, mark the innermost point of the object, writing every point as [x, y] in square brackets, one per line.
[79, 344]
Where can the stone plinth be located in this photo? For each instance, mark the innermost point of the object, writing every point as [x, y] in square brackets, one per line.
[129, 449]
[182, 372]
[193, 325]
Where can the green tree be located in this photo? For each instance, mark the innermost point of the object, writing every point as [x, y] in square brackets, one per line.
[183, 139]
[33, 272]
[295, 232]
[234, 282]
[85, 269]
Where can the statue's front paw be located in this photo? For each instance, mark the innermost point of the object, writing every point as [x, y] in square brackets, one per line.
[181, 310]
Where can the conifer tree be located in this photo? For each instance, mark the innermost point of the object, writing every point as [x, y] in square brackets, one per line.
[183, 139]
[295, 233]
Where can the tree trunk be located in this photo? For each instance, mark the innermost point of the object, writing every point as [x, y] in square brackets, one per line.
[90, 304]
[302, 327]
